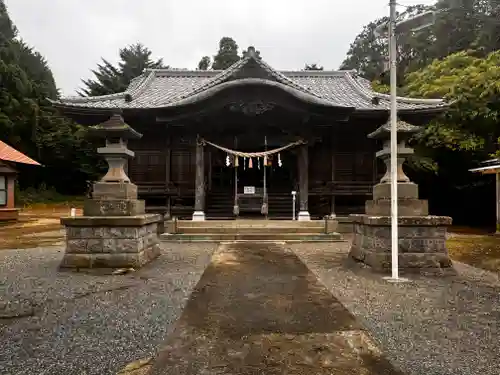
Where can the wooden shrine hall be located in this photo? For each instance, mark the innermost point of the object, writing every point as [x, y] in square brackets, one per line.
[239, 142]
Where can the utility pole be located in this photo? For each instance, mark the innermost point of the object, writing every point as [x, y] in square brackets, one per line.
[394, 141]
[393, 28]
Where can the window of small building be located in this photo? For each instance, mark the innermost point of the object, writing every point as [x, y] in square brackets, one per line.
[3, 191]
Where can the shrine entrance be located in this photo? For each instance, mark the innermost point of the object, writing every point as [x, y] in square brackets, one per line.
[253, 186]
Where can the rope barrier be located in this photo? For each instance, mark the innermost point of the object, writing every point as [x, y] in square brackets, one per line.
[253, 154]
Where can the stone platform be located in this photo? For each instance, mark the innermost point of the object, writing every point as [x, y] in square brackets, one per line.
[251, 230]
[110, 242]
[422, 243]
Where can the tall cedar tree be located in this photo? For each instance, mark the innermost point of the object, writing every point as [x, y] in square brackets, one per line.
[112, 79]
[313, 67]
[204, 63]
[227, 54]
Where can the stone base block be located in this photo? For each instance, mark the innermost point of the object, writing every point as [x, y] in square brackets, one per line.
[422, 243]
[114, 190]
[105, 260]
[406, 190]
[304, 216]
[331, 225]
[198, 216]
[406, 207]
[113, 207]
[111, 242]
[170, 226]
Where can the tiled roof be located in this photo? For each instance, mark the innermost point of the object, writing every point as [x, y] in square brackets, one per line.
[168, 88]
[8, 153]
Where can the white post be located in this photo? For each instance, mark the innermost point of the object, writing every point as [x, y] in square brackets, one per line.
[394, 142]
[497, 187]
[294, 193]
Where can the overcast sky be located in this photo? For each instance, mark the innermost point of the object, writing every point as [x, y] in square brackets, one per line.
[74, 34]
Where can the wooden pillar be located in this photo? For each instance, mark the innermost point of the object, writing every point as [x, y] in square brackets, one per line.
[199, 198]
[168, 158]
[303, 183]
[332, 197]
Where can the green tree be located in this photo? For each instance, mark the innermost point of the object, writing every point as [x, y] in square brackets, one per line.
[17, 108]
[227, 54]
[472, 84]
[110, 79]
[35, 65]
[204, 63]
[368, 54]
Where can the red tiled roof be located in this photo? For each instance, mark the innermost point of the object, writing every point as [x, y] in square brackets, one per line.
[8, 153]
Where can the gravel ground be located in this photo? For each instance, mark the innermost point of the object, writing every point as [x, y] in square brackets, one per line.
[432, 326]
[54, 322]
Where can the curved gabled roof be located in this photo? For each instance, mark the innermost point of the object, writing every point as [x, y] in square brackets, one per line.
[164, 88]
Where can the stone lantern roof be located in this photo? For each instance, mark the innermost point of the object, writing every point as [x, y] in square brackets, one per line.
[403, 128]
[115, 127]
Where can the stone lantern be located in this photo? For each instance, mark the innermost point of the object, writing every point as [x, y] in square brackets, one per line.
[409, 204]
[114, 231]
[422, 237]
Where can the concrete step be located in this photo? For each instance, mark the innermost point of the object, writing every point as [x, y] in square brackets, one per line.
[254, 223]
[249, 229]
[253, 237]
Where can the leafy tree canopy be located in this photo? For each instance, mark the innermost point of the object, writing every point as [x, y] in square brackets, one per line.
[472, 85]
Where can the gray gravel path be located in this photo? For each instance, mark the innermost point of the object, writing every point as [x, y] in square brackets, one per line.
[431, 326]
[54, 322]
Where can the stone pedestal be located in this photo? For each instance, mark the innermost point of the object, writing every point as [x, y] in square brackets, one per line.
[304, 216]
[421, 237]
[110, 242]
[114, 231]
[422, 243]
[331, 224]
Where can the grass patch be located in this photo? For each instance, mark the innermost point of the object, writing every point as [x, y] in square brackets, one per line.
[478, 250]
[46, 198]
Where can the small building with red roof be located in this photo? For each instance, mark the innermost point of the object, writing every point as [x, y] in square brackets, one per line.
[8, 158]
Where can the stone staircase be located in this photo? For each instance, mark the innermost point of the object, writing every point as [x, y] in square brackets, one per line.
[248, 230]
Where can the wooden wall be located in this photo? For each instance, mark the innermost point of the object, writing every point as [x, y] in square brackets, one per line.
[347, 150]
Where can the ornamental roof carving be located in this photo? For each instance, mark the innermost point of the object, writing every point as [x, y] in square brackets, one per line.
[162, 88]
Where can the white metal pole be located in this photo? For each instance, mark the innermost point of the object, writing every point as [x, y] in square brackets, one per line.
[394, 142]
[497, 188]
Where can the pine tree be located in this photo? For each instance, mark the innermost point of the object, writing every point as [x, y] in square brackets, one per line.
[110, 79]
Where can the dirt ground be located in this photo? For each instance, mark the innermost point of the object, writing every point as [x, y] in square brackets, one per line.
[259, 309]
[37, 226]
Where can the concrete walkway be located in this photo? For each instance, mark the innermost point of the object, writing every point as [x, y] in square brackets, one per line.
[258, 309]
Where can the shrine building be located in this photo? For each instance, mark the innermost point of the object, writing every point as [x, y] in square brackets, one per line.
[241, 142]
